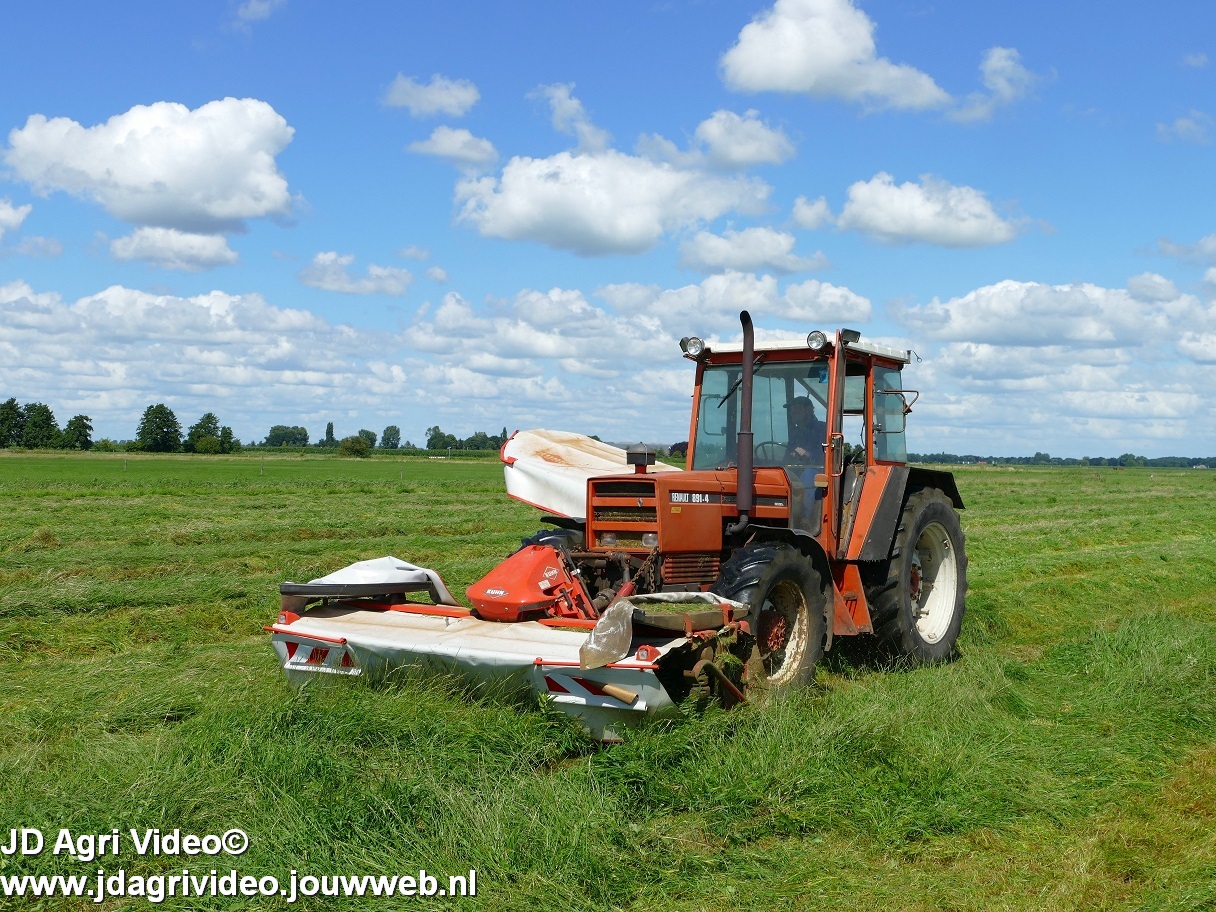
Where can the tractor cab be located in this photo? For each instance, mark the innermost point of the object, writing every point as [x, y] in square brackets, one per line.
[820, 412]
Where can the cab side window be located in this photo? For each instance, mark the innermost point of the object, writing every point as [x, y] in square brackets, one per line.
[889, 442]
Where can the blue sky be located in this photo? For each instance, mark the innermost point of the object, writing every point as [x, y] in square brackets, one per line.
[485, 214]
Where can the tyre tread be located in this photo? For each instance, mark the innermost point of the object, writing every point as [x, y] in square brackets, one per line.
[892, 623]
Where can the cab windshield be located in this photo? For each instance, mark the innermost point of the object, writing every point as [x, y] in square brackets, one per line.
[789, 408]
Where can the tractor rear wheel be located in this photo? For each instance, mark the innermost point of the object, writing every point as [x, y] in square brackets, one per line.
[918, 607]
[786, 598]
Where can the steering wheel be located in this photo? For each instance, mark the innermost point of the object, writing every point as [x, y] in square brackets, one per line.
[776, 447]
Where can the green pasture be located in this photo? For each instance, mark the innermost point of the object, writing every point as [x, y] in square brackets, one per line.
[1066, 761]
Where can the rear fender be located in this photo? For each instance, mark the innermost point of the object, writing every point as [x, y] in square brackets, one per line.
[935, 478]
[884, 492]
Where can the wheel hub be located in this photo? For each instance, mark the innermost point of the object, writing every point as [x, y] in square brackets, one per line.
[934, 584]
[774, 630]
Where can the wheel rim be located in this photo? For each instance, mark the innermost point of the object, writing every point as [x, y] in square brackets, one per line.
[781, 632]
[934, 582]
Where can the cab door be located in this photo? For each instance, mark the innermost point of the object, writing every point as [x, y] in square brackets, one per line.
[833, 456]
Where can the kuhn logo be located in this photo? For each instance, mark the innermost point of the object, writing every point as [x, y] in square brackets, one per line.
[496, 593]
[550, 572]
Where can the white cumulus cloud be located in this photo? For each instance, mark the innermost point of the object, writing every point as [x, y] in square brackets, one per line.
[607, 202]
[931, 212]
[542, 352]
[821, 302]
[1080, 368]
[1198, 60]
[812, 214]
[172, 249]
[1150, 286]
[597, 200]
[1012, 367]
[257, 10]
[163, 165]
[1198, 347]
[1013, 313]
[111, 354]
[458, 146]
[1193, 128]
[734, 141]
[712, 306]
[746, 250]
[824, 48]
[453, 97]
[1006, 81]
[12, 216]
[329, 271]
[41, 247]
[569, 116]
[1202, 251]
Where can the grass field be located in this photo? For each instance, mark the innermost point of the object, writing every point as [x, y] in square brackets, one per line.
[1066, 761]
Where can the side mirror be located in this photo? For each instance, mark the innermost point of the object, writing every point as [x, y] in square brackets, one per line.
[890, 415]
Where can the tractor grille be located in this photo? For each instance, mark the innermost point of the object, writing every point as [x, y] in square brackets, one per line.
[624, 488]
[626, 514]
[690, 568]
[622, 511]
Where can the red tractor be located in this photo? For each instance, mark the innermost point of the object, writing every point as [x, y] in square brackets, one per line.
[723, 580]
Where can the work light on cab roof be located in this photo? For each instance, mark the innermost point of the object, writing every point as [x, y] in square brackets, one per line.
[692, 346]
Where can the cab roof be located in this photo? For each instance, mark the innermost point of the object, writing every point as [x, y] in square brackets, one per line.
[869, 348]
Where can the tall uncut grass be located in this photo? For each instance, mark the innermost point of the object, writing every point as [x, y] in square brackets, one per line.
[1067, 760]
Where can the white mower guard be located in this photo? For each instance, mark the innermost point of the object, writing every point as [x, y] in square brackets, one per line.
[342, 636]
[549, 469]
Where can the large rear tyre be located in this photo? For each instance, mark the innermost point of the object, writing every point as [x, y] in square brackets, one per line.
[787, 601]
[918, 608]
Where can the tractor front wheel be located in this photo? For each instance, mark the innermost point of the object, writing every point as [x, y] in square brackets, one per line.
[787, 600]
[918, 608]
[570, 539]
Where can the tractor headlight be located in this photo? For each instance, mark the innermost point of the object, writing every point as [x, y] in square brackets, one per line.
[650, 539]
[816, 340]
[692, 346]
[608, 539]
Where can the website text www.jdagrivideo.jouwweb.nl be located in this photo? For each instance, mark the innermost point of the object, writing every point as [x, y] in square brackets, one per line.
[156, 888]
[116, 882]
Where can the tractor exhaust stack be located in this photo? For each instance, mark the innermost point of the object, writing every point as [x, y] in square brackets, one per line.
[743, 461]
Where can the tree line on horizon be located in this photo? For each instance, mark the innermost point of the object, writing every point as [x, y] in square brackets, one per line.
[282, 435]
[33, 426]
[1127, 460]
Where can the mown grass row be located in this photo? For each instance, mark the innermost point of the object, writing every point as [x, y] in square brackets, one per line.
[1067, 761]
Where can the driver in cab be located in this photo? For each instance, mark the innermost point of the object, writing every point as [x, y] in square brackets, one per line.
[807, 434]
